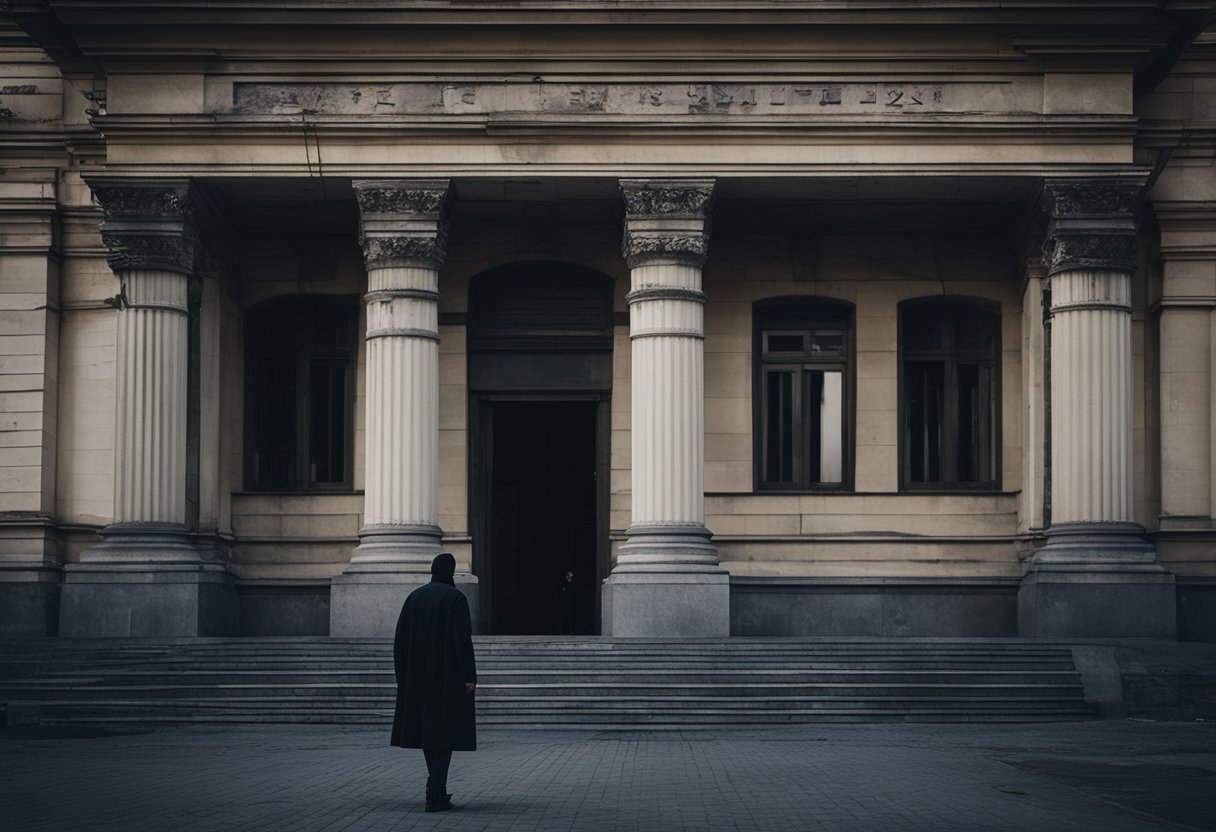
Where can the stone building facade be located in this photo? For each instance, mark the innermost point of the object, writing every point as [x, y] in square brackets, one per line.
[768, 318]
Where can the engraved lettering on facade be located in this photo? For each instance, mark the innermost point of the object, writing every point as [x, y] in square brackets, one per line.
[704, 98]
[588, 98]
[658, 98]
[698, 99]
[458, 97]
[652, 96]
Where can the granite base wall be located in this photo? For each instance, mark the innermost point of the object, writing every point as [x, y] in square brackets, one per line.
[887, 607]
[283, 609]
[1196, 609]
[29, 609]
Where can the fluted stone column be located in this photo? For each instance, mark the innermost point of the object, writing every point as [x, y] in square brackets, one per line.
[667, 581]
[1097, 575]
[147, 576]
[403, 229]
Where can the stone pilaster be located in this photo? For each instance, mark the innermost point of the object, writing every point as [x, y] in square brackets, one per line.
[1184, 203]
[403, 230]
[147, 576]
[30, 566]
[1097, 575]
[667, 581]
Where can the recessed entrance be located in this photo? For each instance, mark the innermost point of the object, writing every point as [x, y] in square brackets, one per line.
[542, 519]
[540, 378]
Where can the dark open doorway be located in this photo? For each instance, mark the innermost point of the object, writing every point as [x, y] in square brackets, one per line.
[542, 516]
[540, 342]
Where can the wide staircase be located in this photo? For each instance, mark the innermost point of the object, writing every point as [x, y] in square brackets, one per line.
[543, 682]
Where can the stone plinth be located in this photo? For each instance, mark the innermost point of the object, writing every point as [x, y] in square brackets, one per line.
[370, 602]
[123, 600]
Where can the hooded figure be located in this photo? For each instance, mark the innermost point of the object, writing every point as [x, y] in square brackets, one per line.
[436, 676]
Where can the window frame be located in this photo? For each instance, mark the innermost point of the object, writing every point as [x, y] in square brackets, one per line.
[950, 359]
[302, 309]
[802, 315]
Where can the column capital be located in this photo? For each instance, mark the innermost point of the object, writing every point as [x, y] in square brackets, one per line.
[149, 224]
[1091, 224]
[666, 220]
[403, 222]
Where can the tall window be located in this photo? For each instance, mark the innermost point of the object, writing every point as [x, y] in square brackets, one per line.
[950, 351]
[299, 394]
[803, 388]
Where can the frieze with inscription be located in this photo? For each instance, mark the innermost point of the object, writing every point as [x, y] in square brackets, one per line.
[810, 98]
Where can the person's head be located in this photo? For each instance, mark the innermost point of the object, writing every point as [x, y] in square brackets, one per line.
[443, 567]
[569, 575]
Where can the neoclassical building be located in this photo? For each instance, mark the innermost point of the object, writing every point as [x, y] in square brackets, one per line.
[767, 318]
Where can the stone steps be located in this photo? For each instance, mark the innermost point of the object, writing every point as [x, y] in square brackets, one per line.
[548, 682]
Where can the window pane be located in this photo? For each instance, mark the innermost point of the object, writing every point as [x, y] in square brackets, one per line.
[327, 423]
[785, 342]
[923, 388]
[831, 422]
[975, 331]
[827, 343]
[326, 330]
[923, 327]
[273, 399]
[974, 450]
[779, 427]
[298, 353]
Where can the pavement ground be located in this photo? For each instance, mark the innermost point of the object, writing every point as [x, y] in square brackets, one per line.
[1102, 775]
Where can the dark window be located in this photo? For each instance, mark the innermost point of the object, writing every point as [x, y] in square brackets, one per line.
[950, 351]
[803, 390]
[299, 394]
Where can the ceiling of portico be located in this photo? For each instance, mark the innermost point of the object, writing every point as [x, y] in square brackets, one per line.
[852, 204]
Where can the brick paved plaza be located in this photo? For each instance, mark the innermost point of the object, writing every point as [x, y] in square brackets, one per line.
[1107, 776]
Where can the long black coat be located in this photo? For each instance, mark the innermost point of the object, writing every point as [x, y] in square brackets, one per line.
[433, 657]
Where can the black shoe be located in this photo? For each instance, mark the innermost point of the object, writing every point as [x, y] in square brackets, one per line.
[443, 806]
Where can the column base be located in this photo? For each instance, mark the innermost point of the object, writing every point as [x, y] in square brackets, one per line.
[396, 548]
[1097, 580]
[667, 605]
[164, 600]
[672, 548]
[149, 543]
[366, 603]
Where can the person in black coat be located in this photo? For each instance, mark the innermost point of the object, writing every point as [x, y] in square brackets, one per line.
[436, 678]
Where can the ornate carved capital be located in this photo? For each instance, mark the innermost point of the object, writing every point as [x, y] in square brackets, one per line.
[1092, 224]
[666, 219]
[403, 222]
[148, 224]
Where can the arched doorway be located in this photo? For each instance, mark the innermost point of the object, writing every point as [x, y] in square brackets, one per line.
[540, 379]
